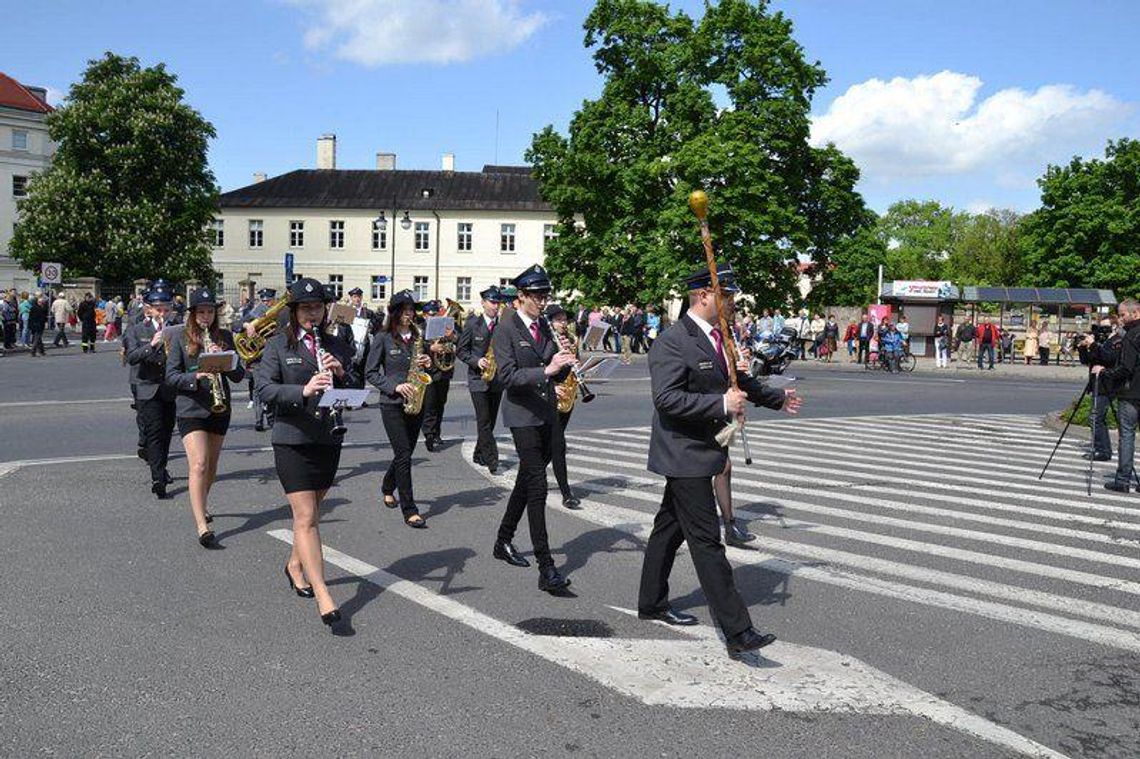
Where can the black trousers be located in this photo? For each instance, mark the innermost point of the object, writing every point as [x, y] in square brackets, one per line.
[156, 418]
[89, 335]
[37, 341]
[534, 449]
[9, 334]
[138, 416]
[864, 351]
[435, 398]
[558, 454]
[403, 431]
[486, 405]
[60, 334]
[688, 514]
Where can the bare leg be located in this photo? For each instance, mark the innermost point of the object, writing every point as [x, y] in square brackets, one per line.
[198, 461]
[307, 544]
[294, 563]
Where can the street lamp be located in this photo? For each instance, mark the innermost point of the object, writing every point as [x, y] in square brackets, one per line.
[380, 223]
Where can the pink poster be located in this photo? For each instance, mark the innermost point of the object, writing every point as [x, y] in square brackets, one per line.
[879, 313]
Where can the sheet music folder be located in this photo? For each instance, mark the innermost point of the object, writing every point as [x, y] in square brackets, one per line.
[345, 397]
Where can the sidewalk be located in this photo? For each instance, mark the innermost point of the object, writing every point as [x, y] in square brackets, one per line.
[959, 369]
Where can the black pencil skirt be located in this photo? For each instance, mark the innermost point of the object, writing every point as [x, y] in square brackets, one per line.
[215, 424]
[306, 467]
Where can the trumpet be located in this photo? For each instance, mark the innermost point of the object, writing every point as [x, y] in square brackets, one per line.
[337, 412]
[573, 385]
[418, 379]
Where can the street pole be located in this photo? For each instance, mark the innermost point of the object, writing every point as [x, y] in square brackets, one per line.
[879, 291]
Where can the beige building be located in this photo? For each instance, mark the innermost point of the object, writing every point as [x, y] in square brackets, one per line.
[442, 234]
[25, 148]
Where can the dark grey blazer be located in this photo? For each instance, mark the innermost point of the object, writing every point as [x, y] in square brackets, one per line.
[388, 362]
[193, 401]
[147, 362]
[689, 382]
[529, 399]
[281, 377]
[472, 346]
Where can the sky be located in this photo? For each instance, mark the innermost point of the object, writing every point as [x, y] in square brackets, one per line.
[965, 102]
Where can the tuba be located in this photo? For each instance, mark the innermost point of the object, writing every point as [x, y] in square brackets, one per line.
[250, 348]
[418, 379]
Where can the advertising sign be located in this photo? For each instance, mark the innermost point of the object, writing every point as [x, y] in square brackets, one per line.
[922, 289]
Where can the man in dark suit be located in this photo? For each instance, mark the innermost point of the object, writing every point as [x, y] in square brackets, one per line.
[693, 401]
[154, 399]
[435, 399]
[530, 364]
[863, 334]
[471, 349]
[262, 413]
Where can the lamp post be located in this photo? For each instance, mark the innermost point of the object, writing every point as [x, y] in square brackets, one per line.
[381, 224]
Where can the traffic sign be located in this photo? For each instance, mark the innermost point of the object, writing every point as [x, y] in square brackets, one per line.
[288, 268]
[51, 273]
[382, 279]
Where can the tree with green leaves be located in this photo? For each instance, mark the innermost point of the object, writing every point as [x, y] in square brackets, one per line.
[129, 193]
[987, 250]
[920, 236]
[723, 105]
[1087, 231]
[852, 275]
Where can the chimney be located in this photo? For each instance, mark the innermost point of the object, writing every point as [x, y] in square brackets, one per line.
[449, 161]
[385, 161]
[40, 93]
[258, 176]
[326, 151]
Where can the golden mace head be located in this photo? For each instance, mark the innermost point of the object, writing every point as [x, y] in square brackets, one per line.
[699, 202]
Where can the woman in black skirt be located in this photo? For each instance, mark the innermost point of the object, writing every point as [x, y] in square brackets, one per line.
[559, 321]
[389, 361]
[202, 427]
[297, 366]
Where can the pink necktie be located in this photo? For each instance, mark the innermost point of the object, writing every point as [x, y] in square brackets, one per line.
[718, 341]
[534, 331]
[311, 344]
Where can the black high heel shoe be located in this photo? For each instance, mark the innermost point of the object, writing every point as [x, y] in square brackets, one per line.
[206, 539]
[302, 592]
[331, 618]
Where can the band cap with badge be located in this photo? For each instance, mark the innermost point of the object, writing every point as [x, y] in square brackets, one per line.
[535, 280]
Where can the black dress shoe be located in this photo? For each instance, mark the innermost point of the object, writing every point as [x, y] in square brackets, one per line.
[1097, 456]
[737, 536]
[159, 490]
[259, 427]
[142, 453]
[749, 640]
[477, 460]
[550, 579]
[302, 592]
[206, 539]
[430, 444]
[331, 618]
[493, 468]
[507, 552]
[167, 479]
[1119, 487]
[669, 617]
[571, 502]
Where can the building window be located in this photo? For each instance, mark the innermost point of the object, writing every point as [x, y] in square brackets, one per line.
[296, 234]
[379, 238]
[420, 287]
[507, 238]
[217, 233]
[504, 281]
[463, 289]
[256, 233]
[336, 284]
[336, 234]
[463, 242]
[296, 275]
[19, 139]
[422, 236]
[19, 186]
[379, 288]
[547, 235]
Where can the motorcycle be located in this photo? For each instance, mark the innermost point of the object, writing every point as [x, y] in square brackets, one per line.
[773, 354]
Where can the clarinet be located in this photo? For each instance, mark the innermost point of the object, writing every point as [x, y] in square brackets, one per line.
[338, 429]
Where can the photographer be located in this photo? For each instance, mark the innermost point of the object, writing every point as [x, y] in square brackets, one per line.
[1121, 382]
[1100, 347]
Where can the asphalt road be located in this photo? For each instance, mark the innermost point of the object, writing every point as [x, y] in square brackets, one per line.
[931, 598]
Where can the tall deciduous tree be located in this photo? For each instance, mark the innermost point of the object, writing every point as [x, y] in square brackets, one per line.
[619, 182]
[919, 235]
[987, 250]
[1087, 231]
[129, 192]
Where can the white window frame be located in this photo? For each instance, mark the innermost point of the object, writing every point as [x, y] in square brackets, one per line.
[217, 233]
[504, 281]
[420, 284]
[336, 235]
[464, 236]
[379, 289]
[548, 234]
[422, 236]
[296, 233]
[337, 283]
[463, 289]
[26, 140]
[507, 236]
[379, 238]
[257, 233]
[296, 275]
[19, 186]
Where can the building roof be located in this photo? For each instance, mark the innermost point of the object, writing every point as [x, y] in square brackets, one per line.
[15, 95]
[1053, 296]
[490, 189]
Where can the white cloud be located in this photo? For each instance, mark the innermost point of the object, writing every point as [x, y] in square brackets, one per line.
[935, 125]
[379, 32]
[55, 97]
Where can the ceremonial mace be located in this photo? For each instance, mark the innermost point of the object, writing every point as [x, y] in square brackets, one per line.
[699, 203]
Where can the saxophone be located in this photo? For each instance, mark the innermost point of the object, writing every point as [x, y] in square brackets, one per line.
[250, 348]
[418, 379]
[573, 384]
[217, 392]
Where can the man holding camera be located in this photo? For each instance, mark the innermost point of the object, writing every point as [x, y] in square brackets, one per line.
[1100, 347]
[1121, 382]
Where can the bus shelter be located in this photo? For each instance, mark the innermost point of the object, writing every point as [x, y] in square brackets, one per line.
[1042, 302]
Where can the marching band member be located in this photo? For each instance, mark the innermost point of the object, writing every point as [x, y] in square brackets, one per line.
[203, 400]
[154, 399]
[436, 397]
[530, 363]
[262, 416]
[474, 342]
[360, 347]
[692, 401]
[390, 361]
[298, 364]
[559, 320]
